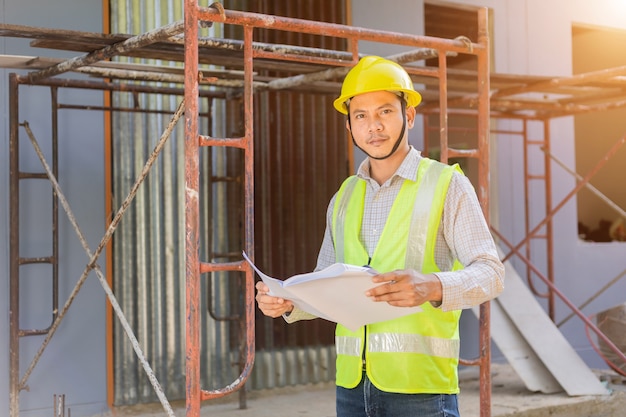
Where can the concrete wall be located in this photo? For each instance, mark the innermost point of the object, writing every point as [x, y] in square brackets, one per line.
[74, 363]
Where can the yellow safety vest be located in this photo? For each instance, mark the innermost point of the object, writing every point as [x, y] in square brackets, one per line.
[417, 353]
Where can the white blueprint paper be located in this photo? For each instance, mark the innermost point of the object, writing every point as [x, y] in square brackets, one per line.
[336, 293]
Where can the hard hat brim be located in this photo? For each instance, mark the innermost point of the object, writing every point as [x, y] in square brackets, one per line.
[413, 99]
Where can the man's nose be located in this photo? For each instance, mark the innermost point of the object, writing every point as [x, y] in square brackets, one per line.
[375, 124]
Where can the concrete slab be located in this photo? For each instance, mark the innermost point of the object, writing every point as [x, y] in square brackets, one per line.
[510, 398]
[543, 358]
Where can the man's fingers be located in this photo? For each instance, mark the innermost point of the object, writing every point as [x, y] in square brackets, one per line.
[386, 287]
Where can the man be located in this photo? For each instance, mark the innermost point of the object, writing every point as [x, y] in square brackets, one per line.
[419, 224]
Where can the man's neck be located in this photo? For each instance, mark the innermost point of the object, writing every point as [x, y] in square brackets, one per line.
[383, 169]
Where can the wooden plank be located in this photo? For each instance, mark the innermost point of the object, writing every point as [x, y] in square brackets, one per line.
[545, 339]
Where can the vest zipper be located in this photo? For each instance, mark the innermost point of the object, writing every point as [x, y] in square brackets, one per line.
[364, 345]
[369, 260]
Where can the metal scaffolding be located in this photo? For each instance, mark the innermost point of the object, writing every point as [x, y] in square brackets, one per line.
[452, 92]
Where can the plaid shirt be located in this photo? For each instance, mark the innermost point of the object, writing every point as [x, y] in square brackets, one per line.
[463, 235]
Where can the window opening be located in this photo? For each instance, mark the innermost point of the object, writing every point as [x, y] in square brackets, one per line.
[601, 206]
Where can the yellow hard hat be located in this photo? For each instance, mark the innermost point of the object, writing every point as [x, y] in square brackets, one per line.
[373, 73]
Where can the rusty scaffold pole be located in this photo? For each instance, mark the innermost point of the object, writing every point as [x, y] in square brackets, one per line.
[192, 265]
[483, 195]
[43, 77]
[17, 383]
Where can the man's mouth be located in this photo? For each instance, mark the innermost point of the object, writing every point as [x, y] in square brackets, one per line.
[377, 140]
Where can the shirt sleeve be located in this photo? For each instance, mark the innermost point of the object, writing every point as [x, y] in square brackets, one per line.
[466, 234]
[297, 315]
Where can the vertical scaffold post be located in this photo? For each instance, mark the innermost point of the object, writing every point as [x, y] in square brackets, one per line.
[483, 196]
[192, 209]
[14, 294]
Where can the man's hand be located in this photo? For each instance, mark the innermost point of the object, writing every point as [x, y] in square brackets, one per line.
[406, 288]
[271, 306]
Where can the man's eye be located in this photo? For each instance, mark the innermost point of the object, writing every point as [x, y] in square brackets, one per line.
[358, 116]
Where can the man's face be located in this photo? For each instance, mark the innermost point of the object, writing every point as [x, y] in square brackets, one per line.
[376, 121]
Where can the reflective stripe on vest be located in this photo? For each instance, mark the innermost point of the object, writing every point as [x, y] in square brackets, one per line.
[415, 353]
[394, 342]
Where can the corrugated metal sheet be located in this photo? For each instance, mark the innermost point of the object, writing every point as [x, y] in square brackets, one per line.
[148, 264]
[301, 157]
[282, 367]
[147, 268]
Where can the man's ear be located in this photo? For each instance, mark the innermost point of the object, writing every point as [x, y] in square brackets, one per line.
[348, 123]
[410, 116]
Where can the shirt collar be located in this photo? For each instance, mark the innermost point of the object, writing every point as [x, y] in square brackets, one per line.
[407, 169]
